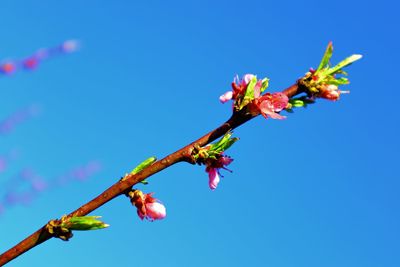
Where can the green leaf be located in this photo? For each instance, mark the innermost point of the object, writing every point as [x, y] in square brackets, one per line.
[346, 62]
[298, 103]
[223, 144]
[265, 83]
[249, 95]
[342, 72]
[84, 223]
[144, 165]
[338, 81]
[327, 56]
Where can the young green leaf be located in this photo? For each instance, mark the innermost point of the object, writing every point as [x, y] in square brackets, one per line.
[338, 81]
[343, 64]
[223, 144]
[297, 103]
[144, 165]
[327, 56]
[249, 95]
[264, 85]
[83, 223]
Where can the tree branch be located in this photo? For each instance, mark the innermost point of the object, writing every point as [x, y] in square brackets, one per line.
[183, 154]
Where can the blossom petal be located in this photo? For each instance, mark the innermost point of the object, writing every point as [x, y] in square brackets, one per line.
[155, 211]
[213, 178]
[225, 160]
[257, 89]
[247, 78]
[279, 101]
[226, 97]
[267, 110]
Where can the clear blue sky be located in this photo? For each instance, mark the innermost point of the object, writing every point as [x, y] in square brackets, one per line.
[319, 189]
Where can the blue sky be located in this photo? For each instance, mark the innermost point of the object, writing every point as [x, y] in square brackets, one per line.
[318, 189]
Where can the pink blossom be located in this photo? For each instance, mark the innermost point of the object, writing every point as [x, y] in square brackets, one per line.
[226, 97]
[279, 101]
[147, 206]
[213, 167]
[267, 110]
[270, 104]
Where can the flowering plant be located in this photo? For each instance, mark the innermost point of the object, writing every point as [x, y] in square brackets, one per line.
[249, 101]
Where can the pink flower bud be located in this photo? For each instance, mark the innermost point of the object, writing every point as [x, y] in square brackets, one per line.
[226, 97]
[155, 211]
[147, 206]
[330, 92]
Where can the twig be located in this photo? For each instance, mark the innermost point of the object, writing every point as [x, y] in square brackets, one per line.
[183, 154]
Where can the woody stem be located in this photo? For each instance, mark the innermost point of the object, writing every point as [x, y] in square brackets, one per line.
[120, 187]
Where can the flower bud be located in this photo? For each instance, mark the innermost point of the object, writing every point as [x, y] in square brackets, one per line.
[83, 223]
[155, 211]
[330, 92]
[147, 206]
[226, 97]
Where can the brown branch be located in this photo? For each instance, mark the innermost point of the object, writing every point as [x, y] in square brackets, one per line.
[183, 154]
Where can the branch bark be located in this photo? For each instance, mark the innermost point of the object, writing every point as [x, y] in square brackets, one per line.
[183, 154]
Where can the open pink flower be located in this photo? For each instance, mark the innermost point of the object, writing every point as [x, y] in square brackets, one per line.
[147, 206]
[213, 167]
[270, 104]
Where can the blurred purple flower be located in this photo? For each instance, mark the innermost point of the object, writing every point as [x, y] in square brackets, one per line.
[26, 186]
[3, 164]
[9, 123]
[32, 61]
